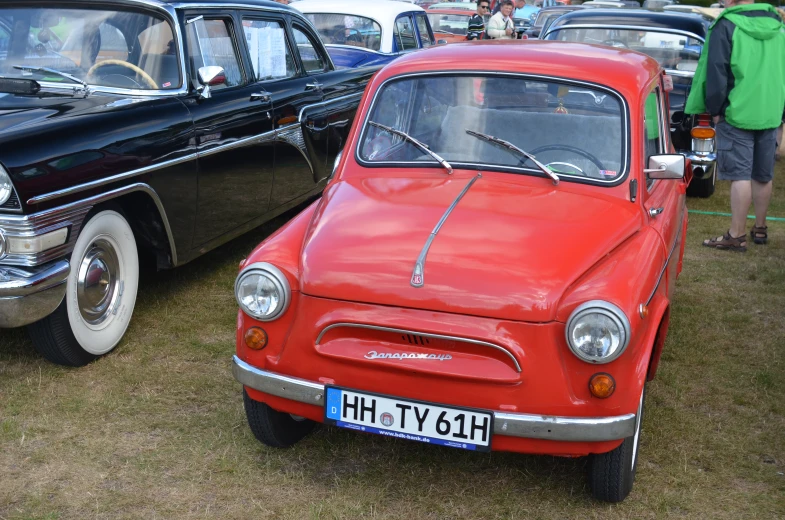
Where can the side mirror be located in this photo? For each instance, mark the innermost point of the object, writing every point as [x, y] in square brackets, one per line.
[208, 77]
[669, 166]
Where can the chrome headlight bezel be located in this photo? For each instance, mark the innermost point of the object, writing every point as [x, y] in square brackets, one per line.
[609, 310]
[6, 186]
[276, 277]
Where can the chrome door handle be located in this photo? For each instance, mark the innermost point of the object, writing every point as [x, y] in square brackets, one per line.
[264, 97]
[653, 212]
[315, 85]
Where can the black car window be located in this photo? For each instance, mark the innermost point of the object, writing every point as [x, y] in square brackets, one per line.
[270, 55]
[404, 34]
[312, 59]
[210, 44]
[422, 27]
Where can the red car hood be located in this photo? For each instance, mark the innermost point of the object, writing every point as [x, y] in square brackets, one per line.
[507, 250]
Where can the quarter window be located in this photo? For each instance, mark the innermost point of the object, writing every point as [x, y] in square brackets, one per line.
[310, 56]
[422, 27]
[404, 34]
[270, 55]
[210, 44]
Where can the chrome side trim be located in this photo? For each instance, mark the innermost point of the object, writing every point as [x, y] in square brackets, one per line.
[424, 334]
[418, 275]
[667, 261]
[301, 115]
[239, 143]
[73, 214]
[293, 135]
[275, 384]
[364, 49]
[550, 427]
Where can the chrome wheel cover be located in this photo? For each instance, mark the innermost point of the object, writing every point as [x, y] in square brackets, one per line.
[98, 282]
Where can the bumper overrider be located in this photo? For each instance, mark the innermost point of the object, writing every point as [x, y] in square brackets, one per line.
[556, 428]
[29, 294]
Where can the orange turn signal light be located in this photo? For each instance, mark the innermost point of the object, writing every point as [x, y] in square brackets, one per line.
[255, 338]
[602, 385]
[702, 132]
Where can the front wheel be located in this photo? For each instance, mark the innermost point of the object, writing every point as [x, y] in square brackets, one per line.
[99, 298]
[611, 474]
[273, 428]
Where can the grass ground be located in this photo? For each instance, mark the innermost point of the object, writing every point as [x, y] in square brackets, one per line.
[157, 429]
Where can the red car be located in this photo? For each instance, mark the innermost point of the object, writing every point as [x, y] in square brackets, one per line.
[490, 267]
[450, 25]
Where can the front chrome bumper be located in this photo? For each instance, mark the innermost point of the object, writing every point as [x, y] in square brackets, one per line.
[29, 294]
[555, 428]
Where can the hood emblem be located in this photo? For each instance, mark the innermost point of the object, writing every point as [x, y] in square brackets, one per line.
[403, 355]
[419, 266]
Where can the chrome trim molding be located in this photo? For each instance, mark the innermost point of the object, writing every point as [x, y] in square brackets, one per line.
[301, 116]
[275, 384]
[70, 217]
[424, 334]
[667, 261]
[625, 119]
[550, 427]
[418, 273]
[293, 135]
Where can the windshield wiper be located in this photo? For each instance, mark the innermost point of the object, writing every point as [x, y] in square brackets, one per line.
[85, 89]
[415, 142]
[509, 146]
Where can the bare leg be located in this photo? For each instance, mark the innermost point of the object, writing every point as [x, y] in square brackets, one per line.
[761, 195]
[740, 200]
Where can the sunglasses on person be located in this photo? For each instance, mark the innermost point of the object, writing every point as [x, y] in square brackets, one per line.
[484, 6]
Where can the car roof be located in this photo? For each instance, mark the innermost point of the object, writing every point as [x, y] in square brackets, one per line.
[625, 71]
[688, 22]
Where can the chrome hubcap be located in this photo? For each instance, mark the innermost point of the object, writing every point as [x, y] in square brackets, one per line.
[97, 283]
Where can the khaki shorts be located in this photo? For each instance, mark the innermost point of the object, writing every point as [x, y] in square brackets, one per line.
[745, 154]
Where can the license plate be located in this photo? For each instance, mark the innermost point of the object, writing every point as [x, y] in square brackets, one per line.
[412, 420]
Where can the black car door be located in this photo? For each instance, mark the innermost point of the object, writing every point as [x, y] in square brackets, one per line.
[233, 130]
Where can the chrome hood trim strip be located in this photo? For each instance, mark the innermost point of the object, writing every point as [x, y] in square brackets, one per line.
[424, 334]
[418, 278]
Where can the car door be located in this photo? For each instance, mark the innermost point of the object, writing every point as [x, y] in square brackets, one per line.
[404, 34]
[665, 198]
[233, 130]
[300, 122]
[424, 31]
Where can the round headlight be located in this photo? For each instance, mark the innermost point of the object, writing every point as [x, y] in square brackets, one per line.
[5, 186]
[598, 332]
[262, 291]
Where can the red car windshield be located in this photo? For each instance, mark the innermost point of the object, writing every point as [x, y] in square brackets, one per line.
[576, 131]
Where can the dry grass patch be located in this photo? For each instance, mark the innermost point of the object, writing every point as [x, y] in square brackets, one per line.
[157, 429]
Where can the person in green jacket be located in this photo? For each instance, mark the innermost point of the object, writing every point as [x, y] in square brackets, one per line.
[740, 81]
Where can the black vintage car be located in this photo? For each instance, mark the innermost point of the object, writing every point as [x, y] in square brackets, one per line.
[148, 128]
[675, 40]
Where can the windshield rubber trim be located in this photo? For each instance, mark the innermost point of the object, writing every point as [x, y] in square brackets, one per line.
[500, 168]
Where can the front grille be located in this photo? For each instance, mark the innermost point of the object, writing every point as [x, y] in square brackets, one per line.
[12, 203]
[415, 339]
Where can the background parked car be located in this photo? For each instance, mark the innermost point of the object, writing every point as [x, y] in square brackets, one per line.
[675, 40]
[450, 25]
[546, 16]
[143, 131]
[359, 33]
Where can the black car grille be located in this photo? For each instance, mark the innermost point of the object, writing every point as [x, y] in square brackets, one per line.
[12, 202]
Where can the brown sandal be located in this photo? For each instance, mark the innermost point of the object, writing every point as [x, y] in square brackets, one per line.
[760, 235]
[728, 243]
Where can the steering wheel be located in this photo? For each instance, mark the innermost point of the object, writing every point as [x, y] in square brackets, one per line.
[354, 35]
[616, 43]
[572, 149]
[142, 74]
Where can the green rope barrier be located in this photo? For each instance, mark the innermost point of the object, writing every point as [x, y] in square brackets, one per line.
[718, 214]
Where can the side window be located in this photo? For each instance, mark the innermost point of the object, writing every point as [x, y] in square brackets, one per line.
[312, 60]
[404, 34]
[210, 43]
[422, 27]
[270, 55]
[652, 128]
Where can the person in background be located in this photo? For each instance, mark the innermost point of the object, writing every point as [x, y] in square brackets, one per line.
[740, 81]
[477, 22]
[500, 26]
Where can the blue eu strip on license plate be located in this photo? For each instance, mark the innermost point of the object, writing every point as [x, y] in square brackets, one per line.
[432, 423]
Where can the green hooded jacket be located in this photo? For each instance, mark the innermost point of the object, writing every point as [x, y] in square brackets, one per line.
[757, 63]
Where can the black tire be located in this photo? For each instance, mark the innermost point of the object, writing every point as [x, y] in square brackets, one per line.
[612, 474]
[272, 428]
[702, 188]
[96, 310]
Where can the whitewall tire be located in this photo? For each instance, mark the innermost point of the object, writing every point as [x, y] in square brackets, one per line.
[100, 294]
